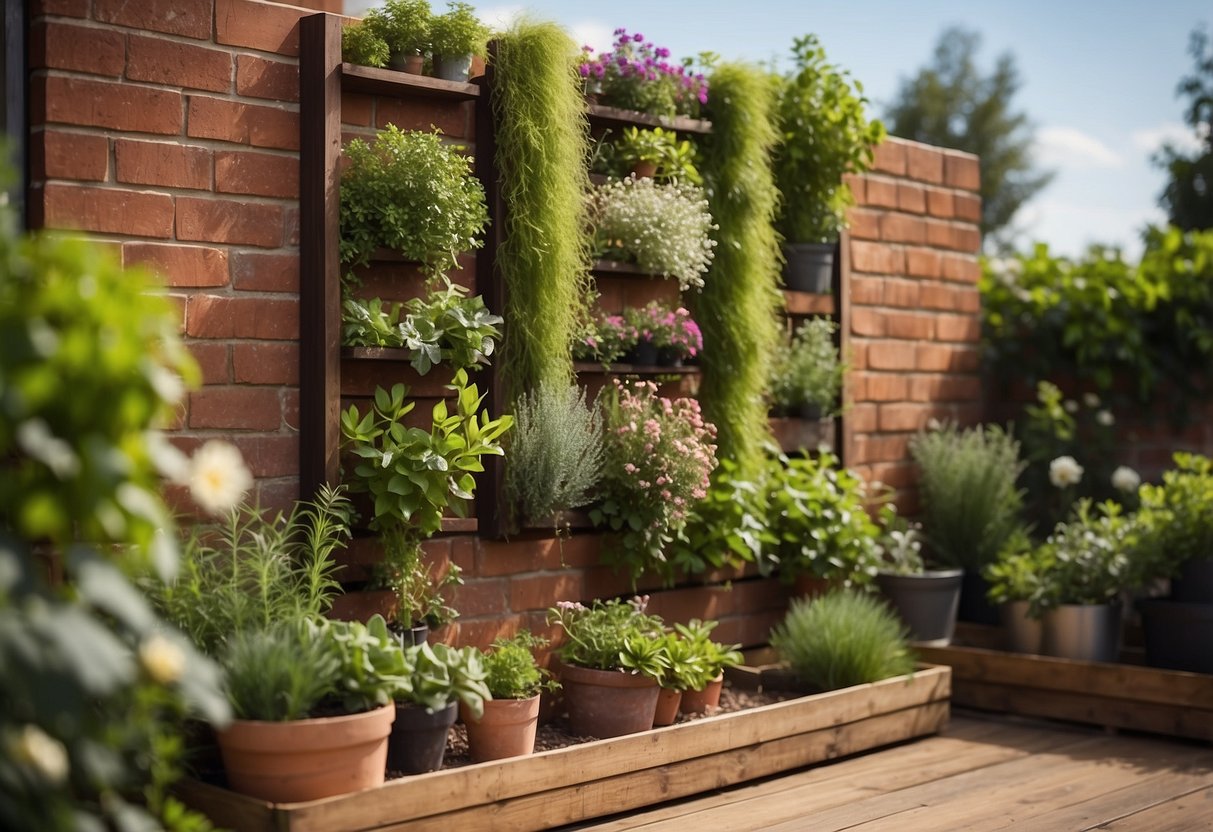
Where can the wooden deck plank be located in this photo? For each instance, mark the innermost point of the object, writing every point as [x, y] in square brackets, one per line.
[1116, 805]
[1184, 814]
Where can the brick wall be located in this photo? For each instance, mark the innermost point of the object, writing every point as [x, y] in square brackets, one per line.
[911, 316]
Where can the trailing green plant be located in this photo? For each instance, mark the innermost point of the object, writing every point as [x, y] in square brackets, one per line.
[555, 453]
[510, 668]
[707, 658]
[361, 44]
[256, 568]
[816, 512]
[447, 327]
[825, 135]
[542, 158]
[1090, 558]
[611, 635]
[404, 25]
[727, 528]
[674, 158]
[808, 371]
[841, 639]
[413, 194]
[441, 674]
[662, 228]
[458, 32]
[971, 505]
[1176, 516]
[737, 309]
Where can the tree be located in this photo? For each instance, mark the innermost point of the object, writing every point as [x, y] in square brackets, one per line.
[950, 103]
[1188, 196]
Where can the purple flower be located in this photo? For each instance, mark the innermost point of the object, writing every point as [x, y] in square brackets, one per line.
[662, 52]
[638, 37]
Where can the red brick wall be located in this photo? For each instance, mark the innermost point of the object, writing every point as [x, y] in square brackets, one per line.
[911, 317]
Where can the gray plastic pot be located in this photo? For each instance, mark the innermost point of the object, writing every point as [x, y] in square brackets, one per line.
[1088, 632]
[927, 602]
[809, 267]
[452, 69]
[1023, 634]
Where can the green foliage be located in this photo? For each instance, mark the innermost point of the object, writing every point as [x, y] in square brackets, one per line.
[952, 103]
[373, 669]
[361, 44]
[704, 659]
[610, 635]
[256, 569]
[555, 452]
[542, 157]
[279, 673]
[441, 674]
[403, 24]
[1090, 558]
[662, 228]
[808, 372]
[1017, 574]
[842, 639]
[510, 669]
[970, 503]
[447, 327]
[95, 689]
[727, 528]
[1176, 517]
[816, 513]
[675, 158]
[458, 32]
[737, 310]
[900, 543]
[637, 75]
[1188, 197]
[413, 194]
[825, 134]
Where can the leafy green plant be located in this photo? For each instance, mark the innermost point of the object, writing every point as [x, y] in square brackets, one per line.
[1090, 558]
[841, 639]
[255, 569]
[361, 44]
[413, 194]
[510, 668]
[970, 503]
[817, 514]
[442, 674]
[673, 158]
[610, 635]
[555, 452]
[737, 307]
[704, 659]
[447, 327]
[666, 229]
[1017, 574]
[542, 155]
[458, 32]
[727, 528]
[807, 372]
[825, 135]
[1176, 516]
[404, 25]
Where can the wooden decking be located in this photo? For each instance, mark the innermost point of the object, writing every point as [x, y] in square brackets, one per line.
[982, 773]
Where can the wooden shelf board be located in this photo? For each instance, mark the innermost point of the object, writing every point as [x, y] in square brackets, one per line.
[804, 303]
[592, 368]
[615, 115]
[618, 268]
[373, 81]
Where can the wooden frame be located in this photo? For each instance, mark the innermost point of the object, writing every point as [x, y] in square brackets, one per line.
[571, 784]
[1112, 695]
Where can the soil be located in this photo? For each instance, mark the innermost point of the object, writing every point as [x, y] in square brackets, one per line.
[555, 734]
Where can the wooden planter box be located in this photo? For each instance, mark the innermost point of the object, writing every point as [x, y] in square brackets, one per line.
[1112, 695]
[598, 778]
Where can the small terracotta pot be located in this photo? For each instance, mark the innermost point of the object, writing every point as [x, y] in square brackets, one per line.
[306, 759]
[644, 170]
[507, 728]
[608, 703]
[698, 701]
[668, 701]
[413, 64]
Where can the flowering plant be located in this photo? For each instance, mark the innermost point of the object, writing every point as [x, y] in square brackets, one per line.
[665, 229]
[636, 75]
[611, 635]
[672, 329]
[605, 339]
[658, 457]
[1090, 558]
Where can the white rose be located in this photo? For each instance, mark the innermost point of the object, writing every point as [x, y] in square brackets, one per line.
[1065, 471]
[218, 478]
[40, 752]
[1125, 479]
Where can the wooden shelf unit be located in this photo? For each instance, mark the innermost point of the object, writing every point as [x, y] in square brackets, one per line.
[615, 116]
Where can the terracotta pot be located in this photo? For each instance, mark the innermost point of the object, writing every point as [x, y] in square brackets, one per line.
[698, 701]
[413, 64]
[668, 701]
[507, 728]
[608, 703]
[418, 740]
[810, 586]
[306, 759]
[644, 170]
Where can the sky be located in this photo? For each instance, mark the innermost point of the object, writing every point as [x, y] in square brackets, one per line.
[1098, 78]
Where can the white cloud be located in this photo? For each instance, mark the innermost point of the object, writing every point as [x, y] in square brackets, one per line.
[1179, 136]
[1068, 147]
[500, 17]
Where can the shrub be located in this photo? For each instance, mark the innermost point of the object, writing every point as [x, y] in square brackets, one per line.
[510, 669]
[361, 44]
[1090, 558]
[403, 24]
[1176, 517]
[842, 639]
[458, 32]
[808, 372]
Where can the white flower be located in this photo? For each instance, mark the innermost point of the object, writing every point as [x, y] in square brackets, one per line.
[1070, 405]
[40, 752]
[934, 425]
[162, 660]
[1090, 400]
[1105, 418]
[218, 478]
[1064, 471]
[1126, 479]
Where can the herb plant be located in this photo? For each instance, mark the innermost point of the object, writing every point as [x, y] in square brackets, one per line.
[673, 158]
[611, 635]
[1176, 516]
[1090, 558]
[361, 44]
[510, 668]
[707, 659]
[727, 528]
[458, 32]
[278, 673]
[441, 674]
[404, 25]
[807, 372]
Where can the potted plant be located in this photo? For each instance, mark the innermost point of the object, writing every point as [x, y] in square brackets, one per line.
[611, 665]
[413, 194]
[1015, 580]
[608, 339]
[404, 25]
[825, 135]
[970, 504]
[841, 639]
[927, 600]
[361, 44]
[703, 672]
[313, 701]
[665, 229]
[506, 728]
[455, 37]
[636, 75]
[441, 680]
[807, 373]
[672, 333]
[655, 153]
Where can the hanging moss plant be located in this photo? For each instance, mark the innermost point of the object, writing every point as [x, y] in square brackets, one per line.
[738, 307]
[542, 154]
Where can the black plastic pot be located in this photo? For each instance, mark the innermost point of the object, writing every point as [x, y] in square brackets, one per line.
[643, 354]
[669, 357]
[1178, 635]
[927, 602]
[809, 267]
[418, 739]
[413, 636]
[974, 605]
[1194, 583]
